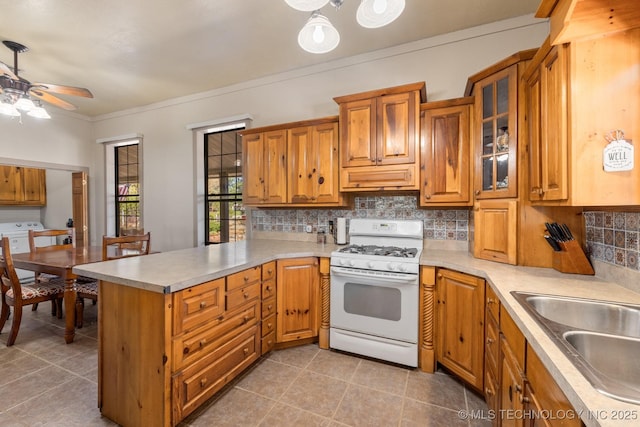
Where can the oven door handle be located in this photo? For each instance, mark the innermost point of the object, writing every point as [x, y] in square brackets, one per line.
[391, 277]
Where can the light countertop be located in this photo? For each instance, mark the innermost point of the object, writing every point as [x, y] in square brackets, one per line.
[176, 270]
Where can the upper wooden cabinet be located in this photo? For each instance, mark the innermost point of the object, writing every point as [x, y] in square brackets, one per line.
[445, 152]
[293, 164]
[265, 167]
[576, 94]
[379, 137]
[496, 230]
[572, 20]
[313, 164]
[496, 131]
[22, 186]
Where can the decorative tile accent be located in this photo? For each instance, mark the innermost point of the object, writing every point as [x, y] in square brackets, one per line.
[613, 237]
[449, 224]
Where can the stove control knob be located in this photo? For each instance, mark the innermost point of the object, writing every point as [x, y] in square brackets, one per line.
[370, 264]
[352, 262]
[393, 266]
[402, 268]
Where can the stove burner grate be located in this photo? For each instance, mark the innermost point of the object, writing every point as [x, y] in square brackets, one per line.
[393, 251]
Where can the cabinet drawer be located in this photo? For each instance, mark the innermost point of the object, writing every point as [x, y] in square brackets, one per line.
[268, 288]
[269, 325]
[243, 278]
[203, 379]
[491, 390]
[197, 304]
[211, 336]
[268, 342]
[493, 303]
[269, 271]
[514, 337]
[242, 295]
[268, 307]
[492, 344]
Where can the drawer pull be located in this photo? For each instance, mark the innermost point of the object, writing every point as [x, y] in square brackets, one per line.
[269, 272]
[488, 391]
[268, 288]
[246, 278]
[245, 350]
[270, 307]
[245, 295]
[203, 382]
[490, 301]
[490, 341]
[246, 319]
[270, 342]
[203, 342]
[203, 304]
[269, 325]
[524, 399]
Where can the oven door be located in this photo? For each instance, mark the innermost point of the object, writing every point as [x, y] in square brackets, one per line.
[374, 303]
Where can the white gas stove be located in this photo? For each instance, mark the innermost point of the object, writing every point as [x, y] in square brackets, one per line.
[374, 290]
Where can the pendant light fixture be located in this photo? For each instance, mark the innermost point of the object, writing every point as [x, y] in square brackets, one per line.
[319, 36]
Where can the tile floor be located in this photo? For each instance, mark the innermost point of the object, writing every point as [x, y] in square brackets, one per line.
[44, 382]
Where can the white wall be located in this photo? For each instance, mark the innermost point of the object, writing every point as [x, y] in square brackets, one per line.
[59, 199]
[443, 62]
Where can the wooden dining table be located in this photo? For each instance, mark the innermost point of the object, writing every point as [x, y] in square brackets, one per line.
[61, 263]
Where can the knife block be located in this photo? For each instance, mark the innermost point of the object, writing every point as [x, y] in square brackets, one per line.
[572, 259]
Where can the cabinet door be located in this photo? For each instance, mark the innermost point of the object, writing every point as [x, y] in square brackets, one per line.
[253, 165]
[10, 185]
[496, 146]
[460, 305]
[358, 133]
[301, 165]
[553, 124]
[297, 299]
[534, 135]
[511, 388]
[275, 172]
[325, 155]
[495, 230]
[445, 156]
[397, 133]
[34, 186]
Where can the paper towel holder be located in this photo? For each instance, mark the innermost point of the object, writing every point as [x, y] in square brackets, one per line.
[341, 231]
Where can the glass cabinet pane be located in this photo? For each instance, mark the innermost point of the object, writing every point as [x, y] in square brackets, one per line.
[502, 95]
[487, 137]
[502, 171]
[487, 173]
[487, 101]
[502, 139]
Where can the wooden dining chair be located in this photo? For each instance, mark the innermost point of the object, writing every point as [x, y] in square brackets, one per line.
[112, 248]
[17, 295]
[36, 245]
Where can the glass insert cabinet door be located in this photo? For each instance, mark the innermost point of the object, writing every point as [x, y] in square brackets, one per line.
[496, 146]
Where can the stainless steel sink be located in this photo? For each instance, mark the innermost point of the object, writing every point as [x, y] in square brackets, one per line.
[617, 371]
[602, 339]
[598, 316]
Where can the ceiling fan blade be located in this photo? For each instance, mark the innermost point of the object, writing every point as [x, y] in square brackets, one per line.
[6, 71]
[64, 90]
[54, 100]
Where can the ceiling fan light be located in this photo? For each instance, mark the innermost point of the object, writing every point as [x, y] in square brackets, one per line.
[9, 109]
[24, 103]
[378, 13]
[307, 5]
[39, 112]
[318, 35]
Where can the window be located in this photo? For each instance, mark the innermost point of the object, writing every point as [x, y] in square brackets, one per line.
[225, 214]
[128, 219]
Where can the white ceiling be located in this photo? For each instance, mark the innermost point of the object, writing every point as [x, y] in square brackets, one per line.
[131, 53]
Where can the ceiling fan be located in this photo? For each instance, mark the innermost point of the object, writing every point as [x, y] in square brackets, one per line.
[16, 92]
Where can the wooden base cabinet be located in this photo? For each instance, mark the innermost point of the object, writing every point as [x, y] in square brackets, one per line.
[460, 325]
[163, 355]
[298, 296]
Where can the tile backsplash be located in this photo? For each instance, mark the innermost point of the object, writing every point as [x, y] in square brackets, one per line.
[612, 237]
[450, 224]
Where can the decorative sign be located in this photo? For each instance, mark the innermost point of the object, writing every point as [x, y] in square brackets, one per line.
[618, 154]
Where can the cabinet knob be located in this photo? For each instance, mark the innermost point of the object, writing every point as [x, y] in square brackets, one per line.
[203, 304]
[245, 295]
[488, 391]
[245, 351]
[490, 340]
[203, 383]
[269, 272]
[477, 192]
[246, 319]
[246, 278]
[203, 342]
[427, 196]
[268, 288]
[524, 399]
[270, 307]
[540, 191]
[490, 301]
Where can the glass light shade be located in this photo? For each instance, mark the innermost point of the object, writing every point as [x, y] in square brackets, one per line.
[8, 109]
[39, 112]
[318, 35]
[378, 13]
[24, 103]
[307, 5]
